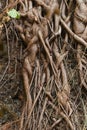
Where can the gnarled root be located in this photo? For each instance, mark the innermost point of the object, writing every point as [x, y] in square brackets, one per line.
[80, 28]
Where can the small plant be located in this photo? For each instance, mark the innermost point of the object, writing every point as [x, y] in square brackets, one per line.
[14, 14]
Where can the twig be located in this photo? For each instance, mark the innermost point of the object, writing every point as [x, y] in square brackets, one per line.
[63, 115]
[28, 118]
[55, 124]
[41, 116]
[76, 37]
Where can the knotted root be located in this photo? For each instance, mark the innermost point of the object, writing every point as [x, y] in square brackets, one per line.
[80, 28]
[49, 56]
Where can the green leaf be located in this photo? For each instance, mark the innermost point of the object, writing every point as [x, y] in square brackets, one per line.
[13, 14]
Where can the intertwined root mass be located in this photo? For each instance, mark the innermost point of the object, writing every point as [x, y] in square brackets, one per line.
[54, 37]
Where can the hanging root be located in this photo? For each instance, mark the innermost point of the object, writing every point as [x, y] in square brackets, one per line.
[80, 28]
[54, 55]
[36, 39]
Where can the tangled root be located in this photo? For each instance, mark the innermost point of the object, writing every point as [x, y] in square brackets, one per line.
[46, 33]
